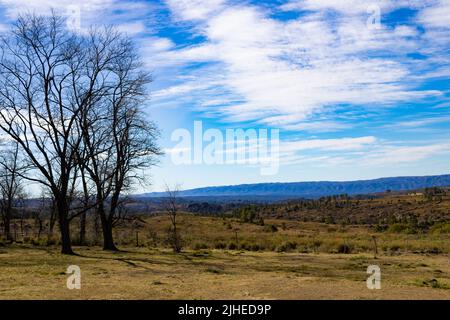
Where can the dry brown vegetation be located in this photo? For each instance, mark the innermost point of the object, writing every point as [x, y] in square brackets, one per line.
[227, 258]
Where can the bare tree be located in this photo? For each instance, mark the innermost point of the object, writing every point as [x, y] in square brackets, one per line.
[172, 208]
[11, 169]
[118, 140]
[52, 82]
[48, 208]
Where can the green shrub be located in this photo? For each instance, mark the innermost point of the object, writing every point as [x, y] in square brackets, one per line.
[317, 244]
[434, 283]
[220, 245]
[36, 242]
[402, 228]
[344, 248]
[287, 246]
[232, 246]
[256, 247]
[270, 228]
[49, 242]
[441, 228]
[245, 246]
[380, 228]
[434, 250]
[200, 246]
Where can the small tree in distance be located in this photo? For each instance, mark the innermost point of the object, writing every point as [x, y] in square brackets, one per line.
[171, 207]
[11, 171]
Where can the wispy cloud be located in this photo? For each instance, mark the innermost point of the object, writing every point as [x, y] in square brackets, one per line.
[420, 122]
[296, 69]
[91, 12]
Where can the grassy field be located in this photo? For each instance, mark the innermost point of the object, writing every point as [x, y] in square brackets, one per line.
[225, 258]
[141, 273]
[201, 232]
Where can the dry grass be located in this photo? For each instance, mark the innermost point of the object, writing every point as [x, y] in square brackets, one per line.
[309, 237]
[310, 270]
[142, 273]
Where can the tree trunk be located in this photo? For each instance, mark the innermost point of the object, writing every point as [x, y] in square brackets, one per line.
[63, 212]
[83, 229]
[108, 241]
[7, 226]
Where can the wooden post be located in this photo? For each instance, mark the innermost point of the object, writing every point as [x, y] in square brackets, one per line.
[375, 246]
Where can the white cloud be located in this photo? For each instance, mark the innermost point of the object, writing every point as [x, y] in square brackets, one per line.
[341, 144]
[297, 69]
[3, 28]
[131, 28]
[194, 9]
[122, 13]
[357, 152]
[437, 16]
[420, 123]
[396, 155]
[16, 7]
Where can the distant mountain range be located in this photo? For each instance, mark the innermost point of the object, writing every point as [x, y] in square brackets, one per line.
[271, 191]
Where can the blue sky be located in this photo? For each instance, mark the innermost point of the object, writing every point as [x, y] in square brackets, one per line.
[352, 98]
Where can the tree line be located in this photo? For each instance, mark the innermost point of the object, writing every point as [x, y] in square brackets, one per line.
[71, 120]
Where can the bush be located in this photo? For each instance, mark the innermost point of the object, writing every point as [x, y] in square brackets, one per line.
[49, 242]
[344, 248]
[174, 240]
[232, 246]
[434, 250]
[380, 228]
[220, 245]
[434, 283]
[200, 246]
[402, 228]
[287, 246]
[245, 246]
[316, 244]
[256, 247]
[441, 228]
[270, 228]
